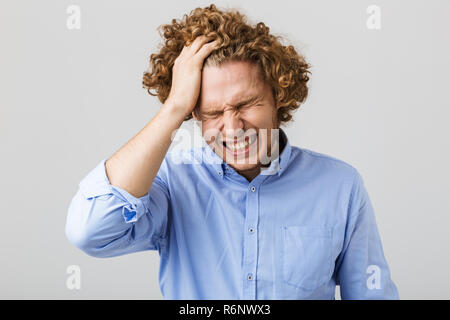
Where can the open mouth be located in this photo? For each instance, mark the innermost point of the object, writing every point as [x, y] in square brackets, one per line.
[241, 146]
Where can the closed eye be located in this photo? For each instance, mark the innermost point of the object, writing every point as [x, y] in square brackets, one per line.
[211, 115]
[247, 106]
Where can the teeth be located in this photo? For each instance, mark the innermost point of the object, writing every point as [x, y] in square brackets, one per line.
[241, 145]
[238, 146]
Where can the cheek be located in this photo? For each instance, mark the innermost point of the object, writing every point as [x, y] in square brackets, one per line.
[210, 124]
[210, 128]
[262, 118]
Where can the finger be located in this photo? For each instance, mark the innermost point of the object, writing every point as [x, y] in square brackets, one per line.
[206, 49]
[183, 52]
[198, 43]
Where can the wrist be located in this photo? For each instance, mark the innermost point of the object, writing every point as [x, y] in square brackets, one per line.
[172, 113]
[176, 111]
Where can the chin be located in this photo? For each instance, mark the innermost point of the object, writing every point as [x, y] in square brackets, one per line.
[243, 167]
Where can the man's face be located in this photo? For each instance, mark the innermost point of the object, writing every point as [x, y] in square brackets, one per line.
[235, 103]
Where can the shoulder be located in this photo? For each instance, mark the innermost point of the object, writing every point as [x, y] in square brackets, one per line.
[321, 158]
[324, 165]
[331, 173]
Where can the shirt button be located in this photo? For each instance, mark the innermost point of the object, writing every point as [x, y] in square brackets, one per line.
[220, 173]
[249, 276]
[251, 230]
[253, 189]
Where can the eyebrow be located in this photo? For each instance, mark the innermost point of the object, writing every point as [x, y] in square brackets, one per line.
[241, 103]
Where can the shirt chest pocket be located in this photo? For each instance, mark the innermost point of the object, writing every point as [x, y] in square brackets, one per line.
[307, 256]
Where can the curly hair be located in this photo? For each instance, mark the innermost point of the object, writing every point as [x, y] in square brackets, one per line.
[285, 70]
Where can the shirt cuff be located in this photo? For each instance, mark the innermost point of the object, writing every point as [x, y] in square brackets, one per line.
[96, 184]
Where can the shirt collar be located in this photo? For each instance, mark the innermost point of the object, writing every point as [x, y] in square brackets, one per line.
[277, 166]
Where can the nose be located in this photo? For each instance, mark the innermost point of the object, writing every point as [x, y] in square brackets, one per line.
[232, 122]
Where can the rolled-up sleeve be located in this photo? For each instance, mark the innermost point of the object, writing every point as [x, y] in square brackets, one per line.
[362, 270]
[106, 221]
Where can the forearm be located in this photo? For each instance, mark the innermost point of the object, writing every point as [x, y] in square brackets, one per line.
[135, 165]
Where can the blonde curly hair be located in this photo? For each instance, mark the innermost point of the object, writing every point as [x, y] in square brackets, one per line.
[285, 70]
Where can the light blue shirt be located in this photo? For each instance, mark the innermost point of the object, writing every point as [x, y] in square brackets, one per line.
[301, 227]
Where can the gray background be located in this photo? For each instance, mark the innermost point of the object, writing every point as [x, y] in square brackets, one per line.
[378, 100]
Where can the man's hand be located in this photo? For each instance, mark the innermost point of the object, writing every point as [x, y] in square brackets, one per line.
[134, 166]
[186, 74]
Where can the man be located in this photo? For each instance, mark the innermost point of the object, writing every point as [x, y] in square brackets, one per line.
[252, 217]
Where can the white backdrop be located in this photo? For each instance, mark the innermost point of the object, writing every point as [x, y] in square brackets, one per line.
[379, 100]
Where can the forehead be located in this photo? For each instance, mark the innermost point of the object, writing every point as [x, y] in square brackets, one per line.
[229, 83]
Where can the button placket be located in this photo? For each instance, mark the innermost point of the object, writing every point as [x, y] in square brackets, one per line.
[251, 242]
